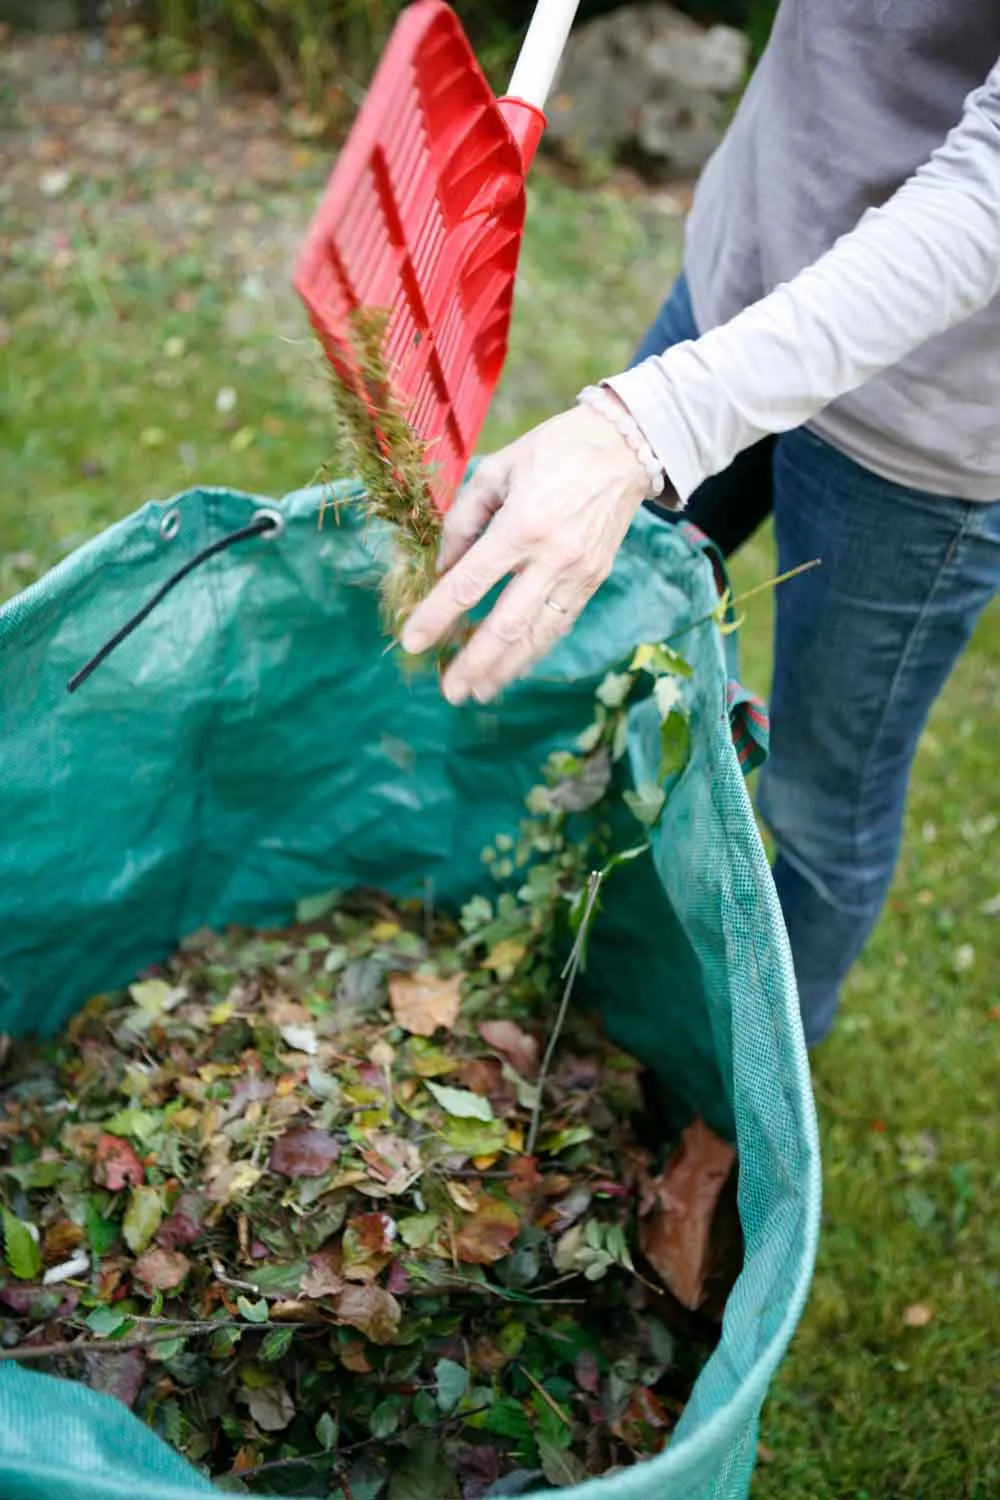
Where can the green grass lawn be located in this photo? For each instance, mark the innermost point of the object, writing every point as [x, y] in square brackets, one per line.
[139, 362]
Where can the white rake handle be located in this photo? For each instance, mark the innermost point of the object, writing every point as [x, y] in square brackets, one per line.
[541, 51]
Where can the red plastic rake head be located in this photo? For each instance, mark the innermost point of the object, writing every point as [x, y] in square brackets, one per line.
[423, 218]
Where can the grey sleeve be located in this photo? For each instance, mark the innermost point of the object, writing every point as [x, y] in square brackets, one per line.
[926, 260]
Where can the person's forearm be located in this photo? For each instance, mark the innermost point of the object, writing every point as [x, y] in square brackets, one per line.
[910, 270]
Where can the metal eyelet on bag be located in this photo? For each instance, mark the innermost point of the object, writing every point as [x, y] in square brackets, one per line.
[170, 525]
[267, 513]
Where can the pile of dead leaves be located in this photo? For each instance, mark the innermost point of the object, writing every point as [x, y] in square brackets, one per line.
[278, 1199]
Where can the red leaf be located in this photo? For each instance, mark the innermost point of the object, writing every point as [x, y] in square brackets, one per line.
[487, 1235]
[515, 1046]
[116, 1165]
[304, 1152]
[371, 1310]
[183, 1227]
[678, 1210]
[163, 1270]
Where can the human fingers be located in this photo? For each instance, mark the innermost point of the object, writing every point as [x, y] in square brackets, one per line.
[486, 562]
[474, 506]
[518, 625]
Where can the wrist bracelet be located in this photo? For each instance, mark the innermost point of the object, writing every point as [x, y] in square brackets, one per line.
[620, 416]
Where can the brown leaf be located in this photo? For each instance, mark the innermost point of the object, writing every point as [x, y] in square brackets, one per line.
[368, 1245]
[525, 1179]
[120, 1375]
[324, 1277]
[116, 1165]
[425, 1003]
[391, 1160]
[354, 1358]
[371, 1310]
[678, 1207]
[161, 1269]
[61, 1239]
[918, 1315]
[515, 1046]
[487, 1236]
[271, 1407]
[304, 1152]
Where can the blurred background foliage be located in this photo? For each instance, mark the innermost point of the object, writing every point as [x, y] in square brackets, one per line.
[317, 55]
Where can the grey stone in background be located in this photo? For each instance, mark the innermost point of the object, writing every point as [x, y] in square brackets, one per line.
[647, 84]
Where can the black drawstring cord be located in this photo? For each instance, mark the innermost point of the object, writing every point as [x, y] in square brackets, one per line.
[259, 526]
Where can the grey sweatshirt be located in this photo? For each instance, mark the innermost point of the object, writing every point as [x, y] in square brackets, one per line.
[843, 254]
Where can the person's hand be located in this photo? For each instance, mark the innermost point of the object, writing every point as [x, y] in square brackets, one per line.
[551, 509]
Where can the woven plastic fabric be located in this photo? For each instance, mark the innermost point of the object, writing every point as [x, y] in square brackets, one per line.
[252, 743]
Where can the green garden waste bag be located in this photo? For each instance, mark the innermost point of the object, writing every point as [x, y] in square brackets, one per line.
[252, 743]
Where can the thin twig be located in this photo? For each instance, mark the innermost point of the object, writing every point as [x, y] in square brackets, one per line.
[760, 588]
[337, 1455]
[161, 1333]
[569, 975]
[550, 1400]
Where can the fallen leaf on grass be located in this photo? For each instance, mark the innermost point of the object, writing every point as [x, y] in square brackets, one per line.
[678, 1209]
[425, 1003]
[515, 1046]
[304, 1152]
[371, 1310]
[116, 1165]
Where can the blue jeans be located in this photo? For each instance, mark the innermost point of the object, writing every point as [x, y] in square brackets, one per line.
[863, 646]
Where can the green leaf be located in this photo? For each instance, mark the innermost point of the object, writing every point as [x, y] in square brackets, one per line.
[675, 744]
[418, 1230]
[658, 659]
[21, 1248]
[508, 1418]
[167, 1349]
[452, 1384]
[142, 1218]
[276, 1344]
[141, 1124]
[101, 1232]
[385, 1419]
[614, 689]
[473, 1137]
[646, 803]
[222, 1341]
[105, 1322]
[314, 908]
[254, 1312]
[461, 1103]
[424, 1474]
[560, 1467]
[327, 1432]
[575, 1135]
